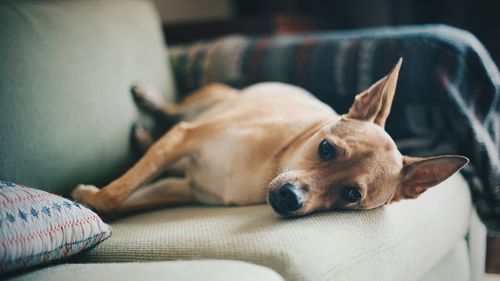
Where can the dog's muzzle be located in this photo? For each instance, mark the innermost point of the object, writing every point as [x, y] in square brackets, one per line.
[286, 199]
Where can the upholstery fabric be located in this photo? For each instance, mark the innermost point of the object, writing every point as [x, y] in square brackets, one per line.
[448, 95]
[454, 266]
[65, 76]
[37, 227]
[401, 241]
[476, 240]
[206, 270]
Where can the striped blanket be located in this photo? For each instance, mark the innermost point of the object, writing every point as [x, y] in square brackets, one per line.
[447, 98]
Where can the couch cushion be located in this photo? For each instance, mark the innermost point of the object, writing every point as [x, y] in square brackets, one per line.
[207, 270]
[65, 73]
[454, 266]
[401, 241]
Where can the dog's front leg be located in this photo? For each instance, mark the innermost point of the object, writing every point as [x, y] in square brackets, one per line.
[175, 144]
[164, 192]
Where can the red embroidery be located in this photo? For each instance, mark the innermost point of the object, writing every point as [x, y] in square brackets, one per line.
[20, 199]
[50, 231]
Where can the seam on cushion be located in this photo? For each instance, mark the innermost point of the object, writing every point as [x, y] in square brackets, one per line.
[17, 240]
[378, 250]
[63, 245]
[17, 200]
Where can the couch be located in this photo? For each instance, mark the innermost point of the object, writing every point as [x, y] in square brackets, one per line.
[66, 114]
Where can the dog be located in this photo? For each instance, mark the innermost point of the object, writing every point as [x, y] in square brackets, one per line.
[276, 142]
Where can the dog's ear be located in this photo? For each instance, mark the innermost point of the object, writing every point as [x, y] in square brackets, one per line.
[374, 104]
[419, 174]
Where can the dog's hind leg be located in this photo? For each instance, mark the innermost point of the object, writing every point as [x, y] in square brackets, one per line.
[195, 103]
[175, 144]
[149, 99]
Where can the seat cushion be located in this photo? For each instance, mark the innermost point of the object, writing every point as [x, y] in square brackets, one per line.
[65, 76]
[402, 241]
[208, 270]
[454, 266]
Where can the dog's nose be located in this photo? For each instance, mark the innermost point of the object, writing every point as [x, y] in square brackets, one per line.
[286, 199]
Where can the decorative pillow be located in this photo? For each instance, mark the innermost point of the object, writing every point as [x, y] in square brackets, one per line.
[37, 227]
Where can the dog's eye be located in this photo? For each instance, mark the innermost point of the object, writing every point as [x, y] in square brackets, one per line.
[326, 150]
[351, 194]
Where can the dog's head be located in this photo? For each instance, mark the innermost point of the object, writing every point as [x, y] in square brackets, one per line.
[353, 163]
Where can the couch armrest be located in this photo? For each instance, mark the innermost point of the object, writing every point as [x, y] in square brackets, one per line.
[448, 91]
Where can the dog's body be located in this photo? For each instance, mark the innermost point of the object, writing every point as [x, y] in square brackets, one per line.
[275, 140]
[235, 165]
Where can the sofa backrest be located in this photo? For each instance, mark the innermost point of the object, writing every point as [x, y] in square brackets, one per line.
[66, 68]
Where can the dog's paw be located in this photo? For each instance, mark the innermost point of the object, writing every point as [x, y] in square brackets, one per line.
[146, 96]
[100, 200]
[138, 90]
[141, 138]
[85, 194]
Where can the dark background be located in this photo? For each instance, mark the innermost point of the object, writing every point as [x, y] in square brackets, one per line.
[263, 17]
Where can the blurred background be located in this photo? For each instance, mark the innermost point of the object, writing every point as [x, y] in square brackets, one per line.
[190, 20]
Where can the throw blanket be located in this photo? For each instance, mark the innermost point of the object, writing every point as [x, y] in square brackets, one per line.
[447, 98]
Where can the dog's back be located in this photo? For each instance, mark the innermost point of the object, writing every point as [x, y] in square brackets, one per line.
[260, 101]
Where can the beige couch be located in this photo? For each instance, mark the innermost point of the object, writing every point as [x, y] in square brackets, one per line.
[69, 66]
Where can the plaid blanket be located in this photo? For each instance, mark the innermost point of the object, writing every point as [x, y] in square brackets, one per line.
[447, 98]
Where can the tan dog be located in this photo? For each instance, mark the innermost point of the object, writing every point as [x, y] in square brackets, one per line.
[275, 140]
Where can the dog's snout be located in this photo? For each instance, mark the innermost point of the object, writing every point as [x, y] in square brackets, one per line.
[285, 199]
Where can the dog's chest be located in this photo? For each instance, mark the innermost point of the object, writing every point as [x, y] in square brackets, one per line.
[232, 167]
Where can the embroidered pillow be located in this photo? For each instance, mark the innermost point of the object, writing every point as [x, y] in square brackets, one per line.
[37, 227]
